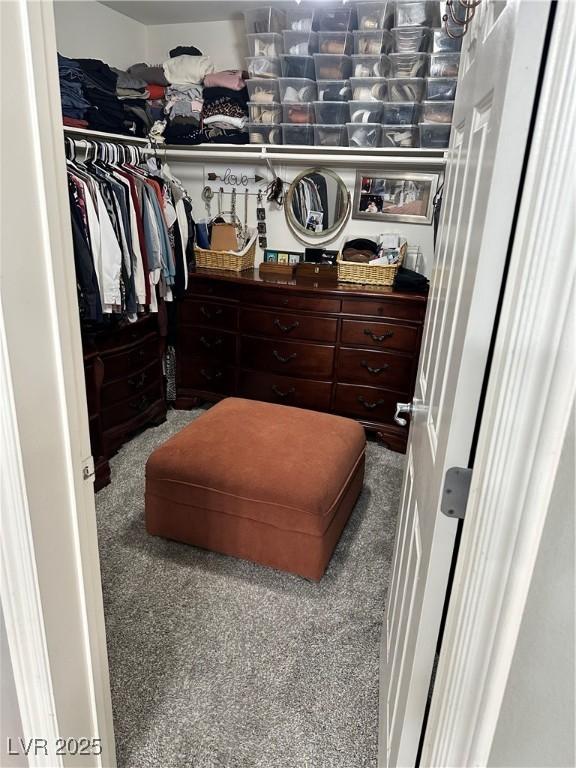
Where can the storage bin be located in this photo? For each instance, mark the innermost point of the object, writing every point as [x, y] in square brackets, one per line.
[265, 134]
[297, 66]
[300, 43]
[373, 43]
[298, 134]
[365, 111]
[334, 19]
[441, 88]
[434, 135]
[437, 111]
[369, 88]
[331, 112]
[409, 64]
[298, 114]
[375, 15]
[406, 88]
[264, 19]
[411, 39]
[370, 66]
[263, 67]
[335, 42]
[300, 19]
[443, 43]
[334, 90]
[444, 64]
[263, 91]
[269, 114]
[363, 134]
[400, 136]
[331, 67]
[330, 136]
[297, 90]
[268, 44]
[413, 13]
[401, 113]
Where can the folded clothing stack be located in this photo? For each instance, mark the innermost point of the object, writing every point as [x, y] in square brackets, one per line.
[106, 112]
[74, 102]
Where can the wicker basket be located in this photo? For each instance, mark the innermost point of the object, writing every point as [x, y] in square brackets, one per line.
[369, 274]
[228, 260]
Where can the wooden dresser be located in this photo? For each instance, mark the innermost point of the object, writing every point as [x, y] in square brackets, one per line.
[335, 347]
[124, 387]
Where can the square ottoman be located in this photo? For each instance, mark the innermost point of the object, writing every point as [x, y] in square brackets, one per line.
[263, 482]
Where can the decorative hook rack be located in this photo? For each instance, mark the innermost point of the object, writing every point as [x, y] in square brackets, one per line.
[469, 8]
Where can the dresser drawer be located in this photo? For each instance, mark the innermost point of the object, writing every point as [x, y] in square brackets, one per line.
[404, 310]
[221, 289]
[208, 314]
[286, 300]
[132, 385]
[366, 403]
[117, 366]
[133, 406]
[206, 376]
[127, 334]
[367, 333]
[283, 325]
[291, 358]
[274, 388]
[207, 343]
[377, 369]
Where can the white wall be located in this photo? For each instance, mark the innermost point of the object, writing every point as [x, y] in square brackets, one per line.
[223, 41]
[536, 724]
[89, 30]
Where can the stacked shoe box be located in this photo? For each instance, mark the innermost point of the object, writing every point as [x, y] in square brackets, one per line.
[376, 74]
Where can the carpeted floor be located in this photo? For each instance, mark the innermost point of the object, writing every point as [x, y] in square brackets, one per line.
[219, 663]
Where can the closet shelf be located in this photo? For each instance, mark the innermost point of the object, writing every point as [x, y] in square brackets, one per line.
[278, 153]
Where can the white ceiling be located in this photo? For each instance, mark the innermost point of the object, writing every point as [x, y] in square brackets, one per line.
[152, 12]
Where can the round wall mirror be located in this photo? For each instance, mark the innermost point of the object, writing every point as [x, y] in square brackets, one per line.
[317, 206]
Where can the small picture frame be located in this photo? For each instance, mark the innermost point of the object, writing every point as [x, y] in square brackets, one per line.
[315, 221]
[261, 227]
[263, 241]
[270, 257]
[260, 214]
[283, 258]
[395, 196]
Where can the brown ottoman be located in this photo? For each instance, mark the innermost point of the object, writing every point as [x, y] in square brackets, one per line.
[263, 482]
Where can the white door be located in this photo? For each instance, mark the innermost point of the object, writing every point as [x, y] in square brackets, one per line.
[498, 82]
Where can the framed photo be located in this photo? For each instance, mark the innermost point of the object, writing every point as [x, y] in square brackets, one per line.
[395, 196]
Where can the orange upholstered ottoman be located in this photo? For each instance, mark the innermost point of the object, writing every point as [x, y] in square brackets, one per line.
[267, 483]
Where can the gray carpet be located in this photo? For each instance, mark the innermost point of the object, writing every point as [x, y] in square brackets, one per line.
[219, 663]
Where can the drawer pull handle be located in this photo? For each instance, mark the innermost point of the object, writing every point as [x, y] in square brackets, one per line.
[370, 332]
[286, 328]
[370, 406]
[141, 404]
[375, 371]
[137, 382]
[210, 344]
[209, 314]
[278, 391]
[210, 376]
[281, 359]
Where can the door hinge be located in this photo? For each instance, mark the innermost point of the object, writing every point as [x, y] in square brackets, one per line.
[88, 472]
[455, 492]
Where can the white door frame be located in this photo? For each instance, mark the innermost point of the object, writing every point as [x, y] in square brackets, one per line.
[529, 399]
[50, 587]
[518, 451]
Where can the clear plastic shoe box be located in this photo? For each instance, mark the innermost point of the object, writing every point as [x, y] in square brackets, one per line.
[298, 114]
[334, 90]
[297, 66]
[268, 114]
[375, 15]
[412, 39]
[441, 88]
[332, 67]
[363, 134]
[265, 44]
[373, 42]
[443, 43]
[365, 111]
[369, 88]
[298, 134]
[264, 19]
[370, 66]
[330, 136]
[437, 111]
[416, 13]
[444, 64]
[400, 136]
[297, 90]
[435, 135]
[263, 67]
[334, 19]
[401, 113]
[331, 112]
[265, 134]
[300, 43]
[406, 88]
[409, 64]
[300, 19]
[263, 91]
[337, 43]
